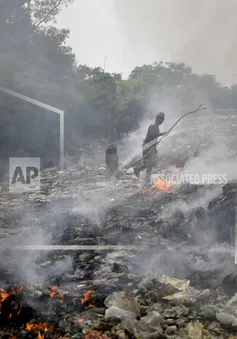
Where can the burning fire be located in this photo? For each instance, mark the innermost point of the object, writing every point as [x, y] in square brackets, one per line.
[87, 298]
[161, 184]
[88, 295]
[4, 295]
[40, 336]
[55, 292]
[42, 326]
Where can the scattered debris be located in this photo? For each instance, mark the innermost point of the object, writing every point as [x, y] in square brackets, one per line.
[163, 280]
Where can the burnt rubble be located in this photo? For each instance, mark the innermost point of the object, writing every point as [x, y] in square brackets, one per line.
[172, 274]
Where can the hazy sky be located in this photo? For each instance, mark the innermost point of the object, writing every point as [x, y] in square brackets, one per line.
[201, 33]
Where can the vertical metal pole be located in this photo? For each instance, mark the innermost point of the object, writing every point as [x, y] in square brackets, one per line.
[105, 62]
[235, 236]
[62, 141]
[234, 78]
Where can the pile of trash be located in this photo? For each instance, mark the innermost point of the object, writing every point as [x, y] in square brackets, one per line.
[103, 295]
[114, 259]
[163, 278]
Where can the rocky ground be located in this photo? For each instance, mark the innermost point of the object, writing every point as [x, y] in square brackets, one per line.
[153, 262]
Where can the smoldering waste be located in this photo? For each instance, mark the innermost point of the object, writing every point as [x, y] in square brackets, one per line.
[171, 275]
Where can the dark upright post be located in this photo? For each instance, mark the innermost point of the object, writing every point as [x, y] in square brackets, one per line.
[111, 160]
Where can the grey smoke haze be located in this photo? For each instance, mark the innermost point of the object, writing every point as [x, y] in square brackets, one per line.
[131, 33]
[94, 204]
[218, 159]
[38, 229]
[179, 262]
[166, 100]
[134, 32]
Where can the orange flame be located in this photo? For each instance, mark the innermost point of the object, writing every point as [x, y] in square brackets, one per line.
[160, 185]
[52, 294]
[42, 326]
[4, 295]
[40, 336]
[55, 292]
[87, 297]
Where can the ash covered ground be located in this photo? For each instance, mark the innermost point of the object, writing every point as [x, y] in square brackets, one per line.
[161, 261]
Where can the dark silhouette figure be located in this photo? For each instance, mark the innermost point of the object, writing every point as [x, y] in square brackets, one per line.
[149, 150]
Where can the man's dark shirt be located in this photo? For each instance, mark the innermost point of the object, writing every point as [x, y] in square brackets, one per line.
[152, 133]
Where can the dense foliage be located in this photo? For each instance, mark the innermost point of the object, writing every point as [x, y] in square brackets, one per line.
[36, 61]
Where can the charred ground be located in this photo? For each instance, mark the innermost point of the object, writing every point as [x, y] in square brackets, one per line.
[185, 233]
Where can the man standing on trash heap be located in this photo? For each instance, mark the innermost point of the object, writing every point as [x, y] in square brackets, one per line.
[149, 150]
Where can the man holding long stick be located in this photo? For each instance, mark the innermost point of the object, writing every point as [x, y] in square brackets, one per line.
[149, 150]
[154, 130]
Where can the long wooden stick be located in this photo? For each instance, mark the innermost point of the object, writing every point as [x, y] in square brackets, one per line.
[157, 142]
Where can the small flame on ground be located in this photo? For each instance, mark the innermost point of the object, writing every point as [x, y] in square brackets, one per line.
[52, 294]
[4, 295]
[42, 326]
[160, 185]
[55, 292]
[87, 297]
[40, 336]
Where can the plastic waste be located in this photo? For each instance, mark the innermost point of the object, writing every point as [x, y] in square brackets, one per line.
[196, 331]
[118, 313]
[181, 285]
[121, 305]
[141, 330]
